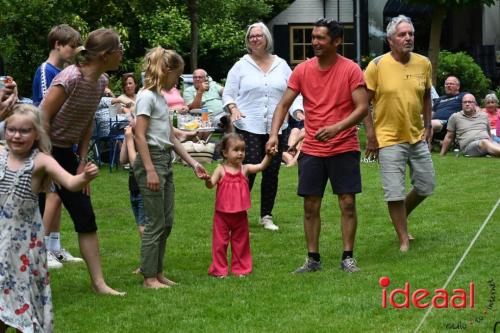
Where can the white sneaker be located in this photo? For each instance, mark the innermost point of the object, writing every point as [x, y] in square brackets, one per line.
[267, 223]
[64, 256]
[52, 262]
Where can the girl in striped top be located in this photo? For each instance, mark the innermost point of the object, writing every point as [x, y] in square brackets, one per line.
[68, 111]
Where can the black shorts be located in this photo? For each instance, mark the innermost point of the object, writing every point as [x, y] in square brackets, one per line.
[342, 170]
[77, 203]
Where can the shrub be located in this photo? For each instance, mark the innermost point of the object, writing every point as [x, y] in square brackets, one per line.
[461, 65]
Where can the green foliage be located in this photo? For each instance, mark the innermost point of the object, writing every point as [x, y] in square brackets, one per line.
[461, 65]
[142, 24]
[23, 34]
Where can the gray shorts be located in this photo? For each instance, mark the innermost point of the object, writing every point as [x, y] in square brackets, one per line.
[473, 149]
[393, 161]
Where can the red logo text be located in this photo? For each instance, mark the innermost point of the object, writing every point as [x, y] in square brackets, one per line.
[422, 298]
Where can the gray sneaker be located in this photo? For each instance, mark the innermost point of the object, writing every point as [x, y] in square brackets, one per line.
[349, 265]
[310, 265]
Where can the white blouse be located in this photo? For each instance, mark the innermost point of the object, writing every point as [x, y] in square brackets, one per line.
[256, 93]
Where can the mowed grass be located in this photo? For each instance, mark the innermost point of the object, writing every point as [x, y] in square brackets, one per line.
[272, 299]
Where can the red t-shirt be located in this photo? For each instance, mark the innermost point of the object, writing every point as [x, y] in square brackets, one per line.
[327, 100]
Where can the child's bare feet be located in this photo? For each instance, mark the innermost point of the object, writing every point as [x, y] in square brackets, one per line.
[162, 279]
[104, 289]
[153, 283]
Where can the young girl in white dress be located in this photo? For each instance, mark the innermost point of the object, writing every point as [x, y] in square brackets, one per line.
[26, 168]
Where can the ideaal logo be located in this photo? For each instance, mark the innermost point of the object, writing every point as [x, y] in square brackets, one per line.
[422, 298]
[478, 318]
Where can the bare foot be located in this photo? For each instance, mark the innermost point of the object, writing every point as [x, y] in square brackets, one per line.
[153, 283]
[107, 290]
[164, 280]
[404, 247]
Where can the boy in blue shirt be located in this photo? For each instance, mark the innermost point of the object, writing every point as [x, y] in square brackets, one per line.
[63, 42]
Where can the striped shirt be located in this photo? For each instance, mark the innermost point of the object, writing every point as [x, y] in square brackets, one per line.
[71, 122]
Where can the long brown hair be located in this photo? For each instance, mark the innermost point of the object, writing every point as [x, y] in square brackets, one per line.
[99, 42]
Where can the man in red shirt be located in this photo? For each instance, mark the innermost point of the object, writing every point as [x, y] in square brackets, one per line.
[335, 100]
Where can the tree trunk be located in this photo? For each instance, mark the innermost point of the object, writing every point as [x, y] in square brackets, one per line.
[438, 17]
[193, 16]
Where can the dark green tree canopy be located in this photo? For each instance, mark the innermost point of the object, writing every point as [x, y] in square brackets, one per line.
[143, 24]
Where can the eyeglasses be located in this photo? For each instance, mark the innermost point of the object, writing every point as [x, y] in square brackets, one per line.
[258, 37]
[22, 131]
[198, 77]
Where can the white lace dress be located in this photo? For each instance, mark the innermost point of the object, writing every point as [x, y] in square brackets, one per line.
[25, 297]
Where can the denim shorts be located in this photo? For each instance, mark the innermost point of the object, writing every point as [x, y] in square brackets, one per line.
[137, 205]
[393, 161]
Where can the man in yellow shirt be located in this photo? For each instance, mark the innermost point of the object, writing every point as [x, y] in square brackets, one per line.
[399, 84]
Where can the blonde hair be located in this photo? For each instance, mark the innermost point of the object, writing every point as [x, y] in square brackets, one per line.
[157, 64]
[99, 42]
[34, 115]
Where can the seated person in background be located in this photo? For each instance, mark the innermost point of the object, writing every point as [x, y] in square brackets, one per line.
[205, 93]
[8, 97]
[446, 105]
[174, 100]
[493, 112]
[102, 115]
[472, 129]
[129, 92]
[295, 140]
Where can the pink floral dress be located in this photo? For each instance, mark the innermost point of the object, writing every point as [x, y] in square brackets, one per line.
[25, 297]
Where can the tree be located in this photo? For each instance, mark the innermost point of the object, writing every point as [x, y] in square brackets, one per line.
[438, 15]
[193, 18]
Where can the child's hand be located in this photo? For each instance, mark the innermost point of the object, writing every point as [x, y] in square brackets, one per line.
[200, 171]
[90, 171]
[129, 133]
[271, 152]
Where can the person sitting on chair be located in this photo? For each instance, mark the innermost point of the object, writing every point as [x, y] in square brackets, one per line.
[445, 106]
[206, 93]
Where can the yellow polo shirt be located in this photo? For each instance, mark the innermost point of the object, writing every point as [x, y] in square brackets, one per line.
[399, 97]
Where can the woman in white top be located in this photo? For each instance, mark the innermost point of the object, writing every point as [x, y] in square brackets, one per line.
[253, 88]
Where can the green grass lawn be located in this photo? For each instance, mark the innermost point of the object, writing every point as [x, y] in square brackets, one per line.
[272, 299]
